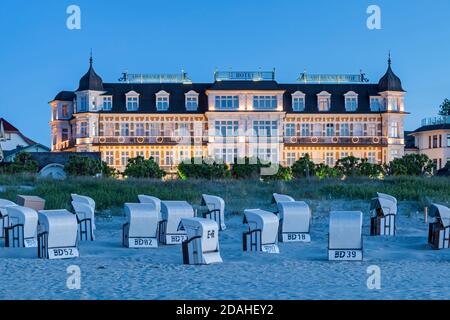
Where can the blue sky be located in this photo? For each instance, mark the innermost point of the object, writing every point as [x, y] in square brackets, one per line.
[40, 56]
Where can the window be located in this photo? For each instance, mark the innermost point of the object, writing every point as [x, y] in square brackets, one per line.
[83, 104]
[191, 103]
[435, 142]
[65, 135]
[266, 154]
[227, 103]
[429, 142]
[55, 139]
[317, 129]
[372, 157]
[226, 155]
[351, 103]
[265, 102]
[344, 155]
[323, 99]
[125, 155]
[108, 130]
[290, 158]
[372, 130]
[125, 129]
[132, 103]
[265, 128]
[330, 129]
[109, 158]
[306, 129]
[394, 154]
[290, 130]
[345, 130]
[393, 130]
[329, 159]
[107, 103]
[155, 156]
[140, 130]
[298, 101]
[83, 129]
[169, 158]
[55, 114]
[162, 103]
[358, 130]
[376, 104]
[448, 140]
[140, 154]
[393, 104]
[65, 111]
[226, 128]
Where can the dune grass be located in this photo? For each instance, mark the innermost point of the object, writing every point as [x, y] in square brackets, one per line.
[238, 194]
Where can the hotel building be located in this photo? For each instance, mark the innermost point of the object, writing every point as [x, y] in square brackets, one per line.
[170, 118]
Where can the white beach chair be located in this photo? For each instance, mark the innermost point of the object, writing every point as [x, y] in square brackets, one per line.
[345, 236]
[202, 244]
[295, 221]
[383, 209]
[439, 230]
[171, 230]
[4, 215]
[216, 209]
[21, 230]
[152, 200]
[262, 231]
[86, 220]
[57, 235]
[141, 227]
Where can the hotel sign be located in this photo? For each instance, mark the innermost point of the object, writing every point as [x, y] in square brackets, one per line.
[332, 78]
[155, 78]
[244, 76]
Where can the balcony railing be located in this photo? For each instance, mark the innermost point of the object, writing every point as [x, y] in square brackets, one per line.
[144, 140]
[337, 140]
[435, 121]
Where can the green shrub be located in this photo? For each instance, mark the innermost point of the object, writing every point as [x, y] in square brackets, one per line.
[283, 174]
[81, 166]
[411, 165]
[22, 164]
[247, 168]
[324, 171]
[202, 169]
[352, 167]
[303, 168]
[140, 168]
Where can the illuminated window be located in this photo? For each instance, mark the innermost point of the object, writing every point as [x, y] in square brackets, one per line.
[109, 158]
[324, 101]
[265, 102]
[372, 157]
[65, 111]
[125, 155]
[394, 130]
[227, 102]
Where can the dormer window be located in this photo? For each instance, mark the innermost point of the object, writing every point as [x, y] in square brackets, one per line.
[162, 101]
[351, 101]
[298, 101]
[107, 103]
[191, 101]
[132, 101]
[377, 104]
[324, 101]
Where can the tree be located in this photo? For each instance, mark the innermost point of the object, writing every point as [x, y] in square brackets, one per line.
[304, 167]
[140, 168]
[82, 166]
[444, 109]
[325, 171]
[248, 168]
[23, 163]
[412, 165]
[283, 174]
[203, 169]
[349, 166]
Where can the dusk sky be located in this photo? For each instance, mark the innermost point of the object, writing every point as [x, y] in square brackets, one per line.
[40, 56]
